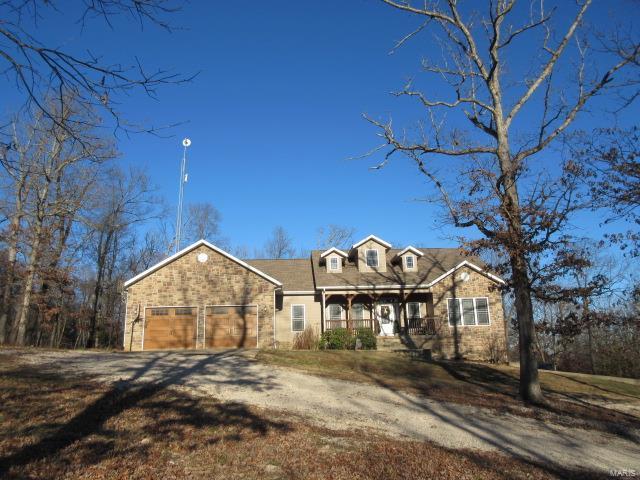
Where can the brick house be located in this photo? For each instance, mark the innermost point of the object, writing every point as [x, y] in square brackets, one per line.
[203, 297]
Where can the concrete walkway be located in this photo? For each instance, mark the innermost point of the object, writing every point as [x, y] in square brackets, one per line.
[337, 404]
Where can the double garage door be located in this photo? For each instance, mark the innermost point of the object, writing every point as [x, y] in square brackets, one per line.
[177, 327]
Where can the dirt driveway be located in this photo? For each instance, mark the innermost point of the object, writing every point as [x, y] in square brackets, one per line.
[337, 404]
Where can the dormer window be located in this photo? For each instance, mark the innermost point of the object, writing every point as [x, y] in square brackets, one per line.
[371, 254]
[410, 262]
[408, 258]
[334, 264]
[372, 258]
[332, 258]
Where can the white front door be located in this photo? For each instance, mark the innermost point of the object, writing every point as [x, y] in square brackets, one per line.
[386, 316]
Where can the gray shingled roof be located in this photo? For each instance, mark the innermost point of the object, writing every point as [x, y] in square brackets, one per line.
[295, 274]
[307, 274]
[431, 265]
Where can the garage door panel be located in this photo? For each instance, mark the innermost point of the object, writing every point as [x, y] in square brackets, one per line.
[170, 328]
[231, 326]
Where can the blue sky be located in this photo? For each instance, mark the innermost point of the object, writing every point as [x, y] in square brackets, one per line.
[275, 114]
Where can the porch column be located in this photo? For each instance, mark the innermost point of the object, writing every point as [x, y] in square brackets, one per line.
[323, 313]
[373, 298]
[348, 311]
[403, 314]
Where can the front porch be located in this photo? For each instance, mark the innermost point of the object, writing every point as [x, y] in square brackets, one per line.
[388, 314]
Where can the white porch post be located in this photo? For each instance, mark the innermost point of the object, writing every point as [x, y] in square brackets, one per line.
[323, 313]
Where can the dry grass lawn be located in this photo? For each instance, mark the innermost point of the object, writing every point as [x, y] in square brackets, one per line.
[577, 401]
[57, 427]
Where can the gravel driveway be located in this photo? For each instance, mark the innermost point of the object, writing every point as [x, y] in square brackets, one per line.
[337, 404]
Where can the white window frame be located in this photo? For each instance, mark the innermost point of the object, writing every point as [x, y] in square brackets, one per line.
[329, 313]
[475, 309]
[419, 309]
[331, 260]
[413, 260]
[304, 316]
[366, 257]
[475, 312]
[353, 310]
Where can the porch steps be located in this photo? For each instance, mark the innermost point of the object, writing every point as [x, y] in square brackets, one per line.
[389, 344]
[412, 345]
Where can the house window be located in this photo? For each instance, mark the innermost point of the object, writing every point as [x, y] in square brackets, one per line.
[335, 312]
[413, 310]
[333, 263]
[372, 258]
[468, 311]
[482, 311]
[409, 262]
[297, 318]
[357, 311]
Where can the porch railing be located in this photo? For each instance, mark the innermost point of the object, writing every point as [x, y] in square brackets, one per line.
[421, 326]
[415, 326]
[351, 324]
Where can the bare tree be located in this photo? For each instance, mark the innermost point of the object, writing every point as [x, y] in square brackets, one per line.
[124, 199]
[501, 189]
[18, 175]
[335, 236]
[279, 245]
[36, 68]
[202, 221]
[151, 250]
[51, 180]
[614, 178]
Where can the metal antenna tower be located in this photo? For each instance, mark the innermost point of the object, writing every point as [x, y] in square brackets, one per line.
[183, 179]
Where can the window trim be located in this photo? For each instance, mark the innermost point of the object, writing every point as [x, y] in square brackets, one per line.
[353, 310]
[419, 309]
[475, 312]
[329, 313]
[413, 259]
[366, 257]
[475, 309]
[337, 260]
[304, 317]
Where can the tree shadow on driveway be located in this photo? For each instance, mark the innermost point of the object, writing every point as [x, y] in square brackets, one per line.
[516, 441]
[148, 376]
[568, 409]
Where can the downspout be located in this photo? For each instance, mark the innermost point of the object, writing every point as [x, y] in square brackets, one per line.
[126, 311]
[274, 318]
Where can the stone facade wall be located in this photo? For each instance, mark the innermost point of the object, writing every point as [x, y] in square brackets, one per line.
[187, 282]
[478, 342]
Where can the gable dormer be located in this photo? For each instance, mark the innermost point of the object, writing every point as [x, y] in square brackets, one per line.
[371, 254]
[333, 259]
[408, 259]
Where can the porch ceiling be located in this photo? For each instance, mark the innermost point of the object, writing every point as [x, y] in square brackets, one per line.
[377, 292]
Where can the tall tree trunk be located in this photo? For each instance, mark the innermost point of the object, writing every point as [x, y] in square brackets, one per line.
[103, 247]
[23, 317]
[61, 330]
[592, 363]
[530, 390]
[586, 316]
[12, 253]
[8, 287]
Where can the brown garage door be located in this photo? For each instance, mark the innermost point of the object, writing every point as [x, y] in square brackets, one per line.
[231, 326]
[170, 327]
